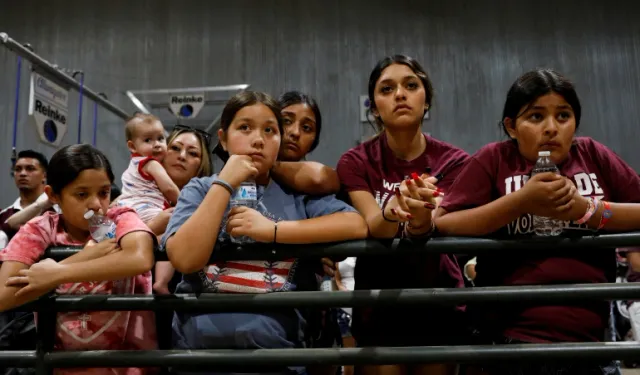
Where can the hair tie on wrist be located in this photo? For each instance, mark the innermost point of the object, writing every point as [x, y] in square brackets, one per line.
[387, 219]
[224, 184]
[275, 232]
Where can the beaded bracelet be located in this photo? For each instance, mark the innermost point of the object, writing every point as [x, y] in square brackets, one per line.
[422, 235]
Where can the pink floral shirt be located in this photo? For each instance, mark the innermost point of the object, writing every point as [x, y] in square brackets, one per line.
[95, 330]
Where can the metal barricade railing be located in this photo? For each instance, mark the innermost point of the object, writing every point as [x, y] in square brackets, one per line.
[44, 359]
[261, 358]
[219, 302]
[440, 245]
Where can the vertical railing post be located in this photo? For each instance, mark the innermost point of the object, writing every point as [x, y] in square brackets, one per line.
[46, 334]
[16, 115]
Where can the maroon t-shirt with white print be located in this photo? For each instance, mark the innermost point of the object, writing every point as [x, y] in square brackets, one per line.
[373, 167]
[499, 169]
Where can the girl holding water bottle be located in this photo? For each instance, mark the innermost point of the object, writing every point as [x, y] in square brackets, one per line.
[251, 128]
[495, 195]
[79, 182]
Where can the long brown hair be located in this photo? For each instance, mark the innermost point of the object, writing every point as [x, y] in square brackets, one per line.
[205, 168]
[235, 104]
[402, 60]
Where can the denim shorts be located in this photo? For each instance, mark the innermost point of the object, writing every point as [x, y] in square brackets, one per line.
[344, 322]
[269, 330]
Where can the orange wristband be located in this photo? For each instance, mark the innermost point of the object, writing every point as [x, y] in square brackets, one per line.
[606, 214]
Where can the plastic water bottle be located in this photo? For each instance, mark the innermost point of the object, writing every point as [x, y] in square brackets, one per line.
[245, 195]
[328, 284]
[545, 226]
[100, 227]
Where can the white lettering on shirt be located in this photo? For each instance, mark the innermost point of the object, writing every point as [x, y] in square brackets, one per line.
[586, 184]
[383, 197]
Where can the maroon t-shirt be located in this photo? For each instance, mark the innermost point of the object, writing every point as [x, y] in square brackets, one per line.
[373, 167]
[499, 169]
[4, 216]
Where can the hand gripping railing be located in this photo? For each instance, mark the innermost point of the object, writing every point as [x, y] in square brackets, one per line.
[44, 359]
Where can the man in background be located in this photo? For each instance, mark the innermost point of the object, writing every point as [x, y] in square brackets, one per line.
[30, 176]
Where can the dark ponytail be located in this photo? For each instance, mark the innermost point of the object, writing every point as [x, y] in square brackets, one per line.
[296, 97]
[68, 162]
[534, 84]
[235, 104]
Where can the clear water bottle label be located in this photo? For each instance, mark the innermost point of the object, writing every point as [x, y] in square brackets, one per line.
[246, 195]
[327, 284]
[111, 231]
[546, 226]
[103, 232]
[246, 192]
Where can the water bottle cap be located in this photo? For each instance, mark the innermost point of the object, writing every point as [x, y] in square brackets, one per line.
[544, 153]
[89, 214]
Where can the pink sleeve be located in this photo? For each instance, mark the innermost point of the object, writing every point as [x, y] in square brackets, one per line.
[473, 186]
[141, 331]
[141, 165]
[624, 181]
[127, 221]
[30, 243]
[352, 171]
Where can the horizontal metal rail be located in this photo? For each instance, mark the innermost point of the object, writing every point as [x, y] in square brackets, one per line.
[600, 352]
[18, 358]
[52, 71]
[219, 302]
[447, 245]
[259, 359]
